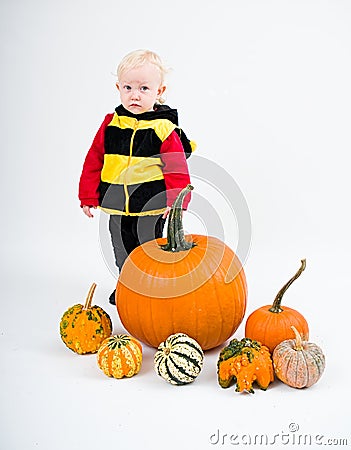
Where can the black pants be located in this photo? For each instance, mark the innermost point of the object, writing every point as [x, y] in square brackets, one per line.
[128, 232]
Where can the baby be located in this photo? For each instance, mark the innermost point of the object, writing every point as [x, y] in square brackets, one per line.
[137, 164]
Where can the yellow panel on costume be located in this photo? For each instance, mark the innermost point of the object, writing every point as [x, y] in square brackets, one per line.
[162, 127]
[193, 145]
[121, 169]
[123, 122]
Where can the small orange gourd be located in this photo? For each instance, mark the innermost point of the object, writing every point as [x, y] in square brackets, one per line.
[245, 362]
[298, 363]
[271, 324]
[120, 356]
[83, 328]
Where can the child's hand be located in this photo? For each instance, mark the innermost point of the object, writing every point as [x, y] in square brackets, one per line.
[86, 210]
[165, 214]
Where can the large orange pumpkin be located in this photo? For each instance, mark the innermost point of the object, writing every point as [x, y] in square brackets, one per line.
[190, 284]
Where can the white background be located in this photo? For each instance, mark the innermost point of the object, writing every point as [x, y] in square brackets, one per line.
[264, 88]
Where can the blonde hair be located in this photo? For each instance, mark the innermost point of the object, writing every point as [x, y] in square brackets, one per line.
[138, 58]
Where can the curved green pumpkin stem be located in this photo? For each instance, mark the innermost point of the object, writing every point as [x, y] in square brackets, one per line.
[175, 234]
[89, 298]
[276, 308]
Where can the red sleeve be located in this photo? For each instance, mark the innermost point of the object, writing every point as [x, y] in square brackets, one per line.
[175, 168]
[91, 173]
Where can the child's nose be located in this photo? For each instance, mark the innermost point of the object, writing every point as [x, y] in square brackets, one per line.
[135, 94]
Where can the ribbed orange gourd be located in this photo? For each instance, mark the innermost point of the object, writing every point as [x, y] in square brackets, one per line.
[120, 356]
[83, 328]
[190, 284]
[271, 324]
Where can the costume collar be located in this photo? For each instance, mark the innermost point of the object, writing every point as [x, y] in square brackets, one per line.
[159, 112]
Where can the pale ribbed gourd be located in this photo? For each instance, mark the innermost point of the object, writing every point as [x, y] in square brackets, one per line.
[297, 362]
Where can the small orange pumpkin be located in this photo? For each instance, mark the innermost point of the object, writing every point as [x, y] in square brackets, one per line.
[83, 328]
[298, 363]
[120, 356]
[183, 284]
[271, 324]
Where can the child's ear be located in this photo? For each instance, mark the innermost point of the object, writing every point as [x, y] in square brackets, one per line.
[117, 85]
[161, 90]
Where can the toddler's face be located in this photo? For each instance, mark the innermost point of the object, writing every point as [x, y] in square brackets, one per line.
[139, 88]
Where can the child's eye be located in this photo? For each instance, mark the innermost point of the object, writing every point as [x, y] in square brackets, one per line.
[144, 88]
[127, 87]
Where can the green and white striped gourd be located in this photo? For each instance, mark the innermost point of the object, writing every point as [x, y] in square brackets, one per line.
[179, 359]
